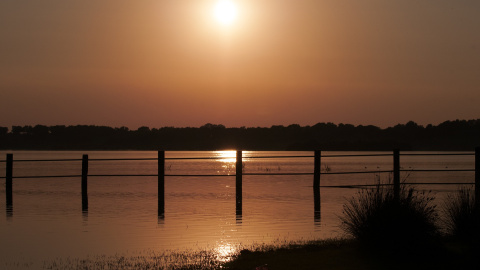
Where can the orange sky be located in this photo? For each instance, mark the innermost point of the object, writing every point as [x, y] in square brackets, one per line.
[169, 63]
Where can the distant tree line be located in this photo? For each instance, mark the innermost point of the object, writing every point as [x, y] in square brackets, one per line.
[449, 135]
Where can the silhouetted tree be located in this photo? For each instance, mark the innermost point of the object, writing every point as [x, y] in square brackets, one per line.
[3, 131]
[449, 135]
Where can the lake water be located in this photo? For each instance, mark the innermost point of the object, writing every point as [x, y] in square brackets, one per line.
[47, 220]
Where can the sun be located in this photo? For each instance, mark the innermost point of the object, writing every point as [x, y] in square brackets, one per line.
[225, 12]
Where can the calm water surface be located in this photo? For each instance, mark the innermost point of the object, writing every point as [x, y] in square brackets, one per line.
[47, 221]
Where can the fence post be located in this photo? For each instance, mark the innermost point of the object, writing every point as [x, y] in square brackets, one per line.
[8, 180]
[84, 183]
[477, 176]
[238, 183]
[317, 168]
[396, 174]
[316, 185]
[161, 183]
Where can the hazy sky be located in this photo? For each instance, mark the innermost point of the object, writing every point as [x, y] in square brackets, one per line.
[170, 63]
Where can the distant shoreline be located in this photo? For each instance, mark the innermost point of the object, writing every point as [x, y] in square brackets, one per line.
[458, 135]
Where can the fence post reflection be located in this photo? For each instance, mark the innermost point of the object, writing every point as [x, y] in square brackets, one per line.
[238, 184]
[316, 208]
[238, 219]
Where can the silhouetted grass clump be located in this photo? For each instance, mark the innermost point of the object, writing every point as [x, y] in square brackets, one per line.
[462, 216]
[379, 220]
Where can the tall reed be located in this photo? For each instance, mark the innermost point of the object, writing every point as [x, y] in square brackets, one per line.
[377, 218]
[462, 216]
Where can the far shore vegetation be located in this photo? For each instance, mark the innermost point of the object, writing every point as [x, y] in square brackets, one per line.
[458, 135]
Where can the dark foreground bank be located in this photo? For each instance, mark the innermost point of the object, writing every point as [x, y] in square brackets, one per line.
[348, 254]
[326, 254]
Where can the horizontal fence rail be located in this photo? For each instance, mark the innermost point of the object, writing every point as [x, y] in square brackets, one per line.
[40, 160]
[317, 172]
[244, 158]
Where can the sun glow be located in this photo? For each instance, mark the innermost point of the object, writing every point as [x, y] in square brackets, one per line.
[225, 12]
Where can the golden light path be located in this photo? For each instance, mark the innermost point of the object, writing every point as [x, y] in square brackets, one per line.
[224, 251]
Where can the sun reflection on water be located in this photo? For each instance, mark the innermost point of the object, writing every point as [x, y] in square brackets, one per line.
[228, 161]
[227, 156]
[224, 252]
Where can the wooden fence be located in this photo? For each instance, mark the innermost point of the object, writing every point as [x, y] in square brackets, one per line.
[317, 155]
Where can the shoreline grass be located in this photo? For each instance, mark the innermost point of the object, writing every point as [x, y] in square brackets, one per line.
[462, 216]
[338, 254]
